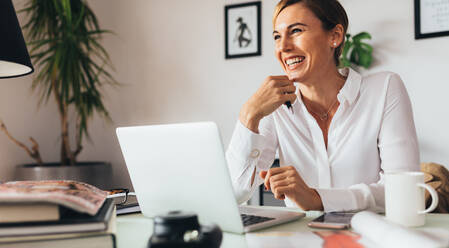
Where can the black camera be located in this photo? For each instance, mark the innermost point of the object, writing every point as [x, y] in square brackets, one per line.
[182, 230]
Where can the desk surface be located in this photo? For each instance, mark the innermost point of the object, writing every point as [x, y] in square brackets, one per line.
[134, 230]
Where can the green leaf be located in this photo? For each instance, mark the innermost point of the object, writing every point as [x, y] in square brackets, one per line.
[366, 47]
[361, 36]
[365, 59]
[357, 52]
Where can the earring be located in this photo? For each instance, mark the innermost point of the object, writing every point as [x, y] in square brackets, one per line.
[335, 44]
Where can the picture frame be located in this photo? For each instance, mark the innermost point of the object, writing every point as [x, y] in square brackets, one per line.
[431, 18]
[243, 30]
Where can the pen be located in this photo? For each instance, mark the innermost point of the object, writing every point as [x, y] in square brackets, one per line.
[289, 105]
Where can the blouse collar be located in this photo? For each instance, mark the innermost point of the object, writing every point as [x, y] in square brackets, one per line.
[351, 88]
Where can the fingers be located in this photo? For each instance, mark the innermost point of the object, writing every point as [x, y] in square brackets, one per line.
[279, 182]
[267, 180]
[279, 177]
[278, 81]
[289, 89]
[282, 181]
[263, 174]
[272, 172]
[271, 94]
[279, 77]
[278, 173]
[282, 83]
[286, 93]
[277, 170]
[289, 97]
[280, 192]
[286, 182]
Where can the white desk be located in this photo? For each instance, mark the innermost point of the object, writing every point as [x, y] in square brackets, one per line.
[134, 230]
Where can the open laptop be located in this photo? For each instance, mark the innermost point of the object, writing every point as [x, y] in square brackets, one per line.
[183, 167]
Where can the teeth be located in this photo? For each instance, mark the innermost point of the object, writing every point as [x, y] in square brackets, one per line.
[295, 60]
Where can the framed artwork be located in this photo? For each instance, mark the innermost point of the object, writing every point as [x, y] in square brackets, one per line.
[431, 18]
[243, 30]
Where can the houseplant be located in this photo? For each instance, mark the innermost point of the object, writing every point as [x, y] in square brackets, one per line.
[356, 51]
[63, 36]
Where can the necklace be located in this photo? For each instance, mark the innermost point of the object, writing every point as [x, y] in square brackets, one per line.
[325, 116]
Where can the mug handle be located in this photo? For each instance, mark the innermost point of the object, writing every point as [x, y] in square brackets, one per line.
[434, 196]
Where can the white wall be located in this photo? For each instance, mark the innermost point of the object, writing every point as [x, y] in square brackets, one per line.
[422, 64]
[169, 56]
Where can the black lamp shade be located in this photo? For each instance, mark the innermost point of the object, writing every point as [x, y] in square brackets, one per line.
[14, 58]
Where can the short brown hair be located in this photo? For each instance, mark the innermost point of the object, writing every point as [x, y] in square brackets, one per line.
[330, 12]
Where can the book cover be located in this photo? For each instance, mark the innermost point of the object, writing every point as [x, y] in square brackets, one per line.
[26, 212]
[78, 196]
[70, 222]
[106, 240]
[111, 230]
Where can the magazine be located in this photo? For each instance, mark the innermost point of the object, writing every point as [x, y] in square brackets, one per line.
[77, 196]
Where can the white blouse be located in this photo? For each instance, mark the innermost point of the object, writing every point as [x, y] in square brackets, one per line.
[371, 132]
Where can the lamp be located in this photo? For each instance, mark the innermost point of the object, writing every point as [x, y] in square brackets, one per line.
[14, 58]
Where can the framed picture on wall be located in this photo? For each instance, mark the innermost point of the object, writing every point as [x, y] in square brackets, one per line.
[431, 18]
[243, 30]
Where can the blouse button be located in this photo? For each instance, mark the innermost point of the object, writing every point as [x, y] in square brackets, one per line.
[255, 153]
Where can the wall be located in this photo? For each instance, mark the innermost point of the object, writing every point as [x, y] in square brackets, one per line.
[422, 65]
[169, 57]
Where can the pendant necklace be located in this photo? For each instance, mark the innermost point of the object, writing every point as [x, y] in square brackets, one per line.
[325, 116]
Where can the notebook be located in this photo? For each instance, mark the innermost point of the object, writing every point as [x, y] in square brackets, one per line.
[69, 222]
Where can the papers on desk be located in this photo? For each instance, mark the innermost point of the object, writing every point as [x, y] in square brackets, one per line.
[369, 230]
[318, 238]
[376, 230]
[128, 209]
[283, 239]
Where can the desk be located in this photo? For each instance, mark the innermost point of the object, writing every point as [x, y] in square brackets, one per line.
[134, 230]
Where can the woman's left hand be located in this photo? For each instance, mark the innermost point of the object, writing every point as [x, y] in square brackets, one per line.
[286, 182]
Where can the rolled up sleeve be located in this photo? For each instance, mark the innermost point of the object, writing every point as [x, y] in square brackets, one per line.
[356, 197]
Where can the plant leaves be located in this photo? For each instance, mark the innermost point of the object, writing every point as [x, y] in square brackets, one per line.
[361, 36]
[64, 40]
[357, 52]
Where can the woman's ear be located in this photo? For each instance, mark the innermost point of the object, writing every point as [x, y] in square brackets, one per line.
[337, 36]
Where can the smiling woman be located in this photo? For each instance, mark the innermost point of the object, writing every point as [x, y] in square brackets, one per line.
[329, 14]
[345, 130]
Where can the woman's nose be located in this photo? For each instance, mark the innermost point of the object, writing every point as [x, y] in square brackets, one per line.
[285, 44]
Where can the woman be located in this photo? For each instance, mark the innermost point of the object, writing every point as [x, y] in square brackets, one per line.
[342, 130]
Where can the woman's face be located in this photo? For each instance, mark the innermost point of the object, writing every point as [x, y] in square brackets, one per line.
[302, 46]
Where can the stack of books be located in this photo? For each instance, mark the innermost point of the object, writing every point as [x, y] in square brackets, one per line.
[55, 214]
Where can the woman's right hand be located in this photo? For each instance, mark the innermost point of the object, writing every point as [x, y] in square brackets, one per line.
[275, 91]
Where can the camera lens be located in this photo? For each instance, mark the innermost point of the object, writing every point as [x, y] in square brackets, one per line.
[175, 223]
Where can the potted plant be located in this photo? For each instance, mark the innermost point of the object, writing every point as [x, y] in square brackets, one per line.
[64, 45]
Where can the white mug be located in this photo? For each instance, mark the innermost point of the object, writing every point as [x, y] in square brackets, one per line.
[404, 198]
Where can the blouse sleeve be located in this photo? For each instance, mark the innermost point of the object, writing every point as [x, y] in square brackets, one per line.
[248, 150]
[398, 151]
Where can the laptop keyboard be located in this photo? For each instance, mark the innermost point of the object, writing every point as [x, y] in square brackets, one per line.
[253, 219]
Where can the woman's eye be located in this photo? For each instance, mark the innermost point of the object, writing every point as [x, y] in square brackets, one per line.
[276, 37]
[296, 30]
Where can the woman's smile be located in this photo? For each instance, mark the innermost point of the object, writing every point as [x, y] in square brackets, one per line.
[293, 62]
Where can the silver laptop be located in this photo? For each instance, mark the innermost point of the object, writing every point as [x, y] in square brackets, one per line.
[183, 167]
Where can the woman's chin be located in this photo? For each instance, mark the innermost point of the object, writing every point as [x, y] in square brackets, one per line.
[294, 76]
